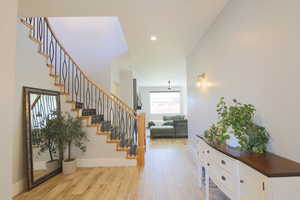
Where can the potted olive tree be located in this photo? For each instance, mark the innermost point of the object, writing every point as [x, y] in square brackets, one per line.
[61, 132]
[46, 138]
[71, 135]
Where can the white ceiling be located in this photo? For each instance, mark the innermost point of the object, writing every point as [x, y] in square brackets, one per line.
[98, 40]
[178, 24]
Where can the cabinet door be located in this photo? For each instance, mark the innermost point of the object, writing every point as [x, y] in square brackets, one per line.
[252, 184]
[201, 151]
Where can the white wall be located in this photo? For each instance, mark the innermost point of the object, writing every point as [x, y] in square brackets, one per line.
[126, 86]
[96, 74]
[251, 53]
[115, 79]
[145, 97]
[28, 64]
[7, 87]
[122, 78]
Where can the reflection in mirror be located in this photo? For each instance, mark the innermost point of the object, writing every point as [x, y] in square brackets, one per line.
[43, 153]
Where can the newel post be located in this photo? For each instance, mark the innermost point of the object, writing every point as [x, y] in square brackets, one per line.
[141, 129]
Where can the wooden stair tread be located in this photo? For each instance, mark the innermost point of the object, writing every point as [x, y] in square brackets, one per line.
[123, 148]
[43, 54]
[103, 133]
[113, 141]
[70, 101]
[131, 157]
[53, 75]
[92, 125]
[35, 40]
[50, 65]
[59, 84]
[26, 24]
[83, 117]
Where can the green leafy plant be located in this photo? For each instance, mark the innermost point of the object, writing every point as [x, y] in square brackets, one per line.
[70, 133]
[151, 123]
[46, 136]
[62, 131]
[216, 133]
[238, 120]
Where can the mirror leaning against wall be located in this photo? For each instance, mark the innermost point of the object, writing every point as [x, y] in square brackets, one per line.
[43, 155]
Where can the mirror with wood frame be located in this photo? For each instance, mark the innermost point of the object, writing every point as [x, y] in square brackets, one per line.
[43, 155]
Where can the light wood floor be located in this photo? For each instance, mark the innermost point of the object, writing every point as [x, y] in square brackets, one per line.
[169, 174]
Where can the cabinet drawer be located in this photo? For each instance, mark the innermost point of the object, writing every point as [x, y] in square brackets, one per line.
[200, 151]
[252, 183]
[224, 180]
[202, 145]
[225, 162]
[200, 157]
[209, 152]
[221, 176]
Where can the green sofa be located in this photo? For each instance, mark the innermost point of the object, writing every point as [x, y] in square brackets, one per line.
[173, 126]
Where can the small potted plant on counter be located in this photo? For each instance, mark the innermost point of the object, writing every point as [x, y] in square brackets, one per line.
[237, 122]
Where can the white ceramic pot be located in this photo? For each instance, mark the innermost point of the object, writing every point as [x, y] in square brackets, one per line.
[52, 166]
[69, 167]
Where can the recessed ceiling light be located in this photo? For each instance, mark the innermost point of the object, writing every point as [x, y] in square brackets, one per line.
[153, 38]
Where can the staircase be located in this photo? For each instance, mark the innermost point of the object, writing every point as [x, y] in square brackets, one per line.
[91, 103]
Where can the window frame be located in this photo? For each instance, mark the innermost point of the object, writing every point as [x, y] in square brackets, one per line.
[164, 91]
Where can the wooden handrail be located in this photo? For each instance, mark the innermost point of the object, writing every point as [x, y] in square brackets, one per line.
[35, 101]
[113, 98]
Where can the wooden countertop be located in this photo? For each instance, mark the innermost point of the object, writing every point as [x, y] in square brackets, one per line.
[269, 164]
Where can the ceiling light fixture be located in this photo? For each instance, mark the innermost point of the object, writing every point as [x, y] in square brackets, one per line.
[153, 38]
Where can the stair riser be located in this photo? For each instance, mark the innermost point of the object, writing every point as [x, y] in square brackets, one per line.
[89, 112]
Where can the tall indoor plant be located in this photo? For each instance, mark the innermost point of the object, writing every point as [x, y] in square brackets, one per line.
[71, 134]
[46, 138]
[238, 120]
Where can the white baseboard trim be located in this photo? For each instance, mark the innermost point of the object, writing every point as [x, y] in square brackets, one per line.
[19, 187]
[106, 162]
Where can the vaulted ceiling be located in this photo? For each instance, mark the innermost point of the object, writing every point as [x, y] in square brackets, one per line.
[178, 25]
[98, 41]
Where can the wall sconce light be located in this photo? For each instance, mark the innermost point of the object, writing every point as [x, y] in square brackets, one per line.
[201, 80]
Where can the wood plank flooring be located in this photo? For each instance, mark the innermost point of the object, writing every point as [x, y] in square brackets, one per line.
[169, 174]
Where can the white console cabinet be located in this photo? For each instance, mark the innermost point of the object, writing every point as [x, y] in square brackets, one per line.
[247, 176]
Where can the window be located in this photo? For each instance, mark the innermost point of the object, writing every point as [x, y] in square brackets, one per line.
[165, 102]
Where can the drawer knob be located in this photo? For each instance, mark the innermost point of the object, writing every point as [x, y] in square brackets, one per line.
[223, 178]
[241, 181]
[223, 162]
[207, 151]
[208, 164]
